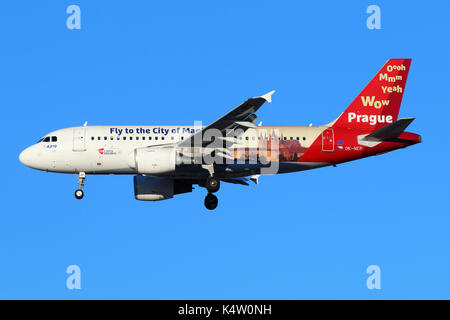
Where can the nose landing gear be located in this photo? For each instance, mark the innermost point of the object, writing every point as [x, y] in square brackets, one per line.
[79, 194]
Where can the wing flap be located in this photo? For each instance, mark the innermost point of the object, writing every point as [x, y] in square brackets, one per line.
[241, 181]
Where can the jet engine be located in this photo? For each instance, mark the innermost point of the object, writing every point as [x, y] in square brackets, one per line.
[153, 161]
[155, 189]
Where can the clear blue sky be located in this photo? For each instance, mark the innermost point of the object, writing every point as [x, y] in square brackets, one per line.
[302, 235]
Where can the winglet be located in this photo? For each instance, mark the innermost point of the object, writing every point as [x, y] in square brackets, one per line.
[268, 96]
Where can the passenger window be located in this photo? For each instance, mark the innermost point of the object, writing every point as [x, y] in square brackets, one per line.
[298, 138]
[143, 138]
[137, 138]
[284, 138]
[124, 138]
[92, 138]
[304, 138]
[156, 138]
[291, 138]
[54, 139]
[131, 138]
[171, 138]
[112, 138]
[149, 138]
[98, 138]
[106, 138]
[118, 138]
[47, 139]
[182, 138]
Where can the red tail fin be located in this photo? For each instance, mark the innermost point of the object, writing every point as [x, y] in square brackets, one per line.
[379, 103]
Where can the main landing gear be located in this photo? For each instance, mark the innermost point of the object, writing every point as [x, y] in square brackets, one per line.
[211, 201]
[79, 194]
[212, 185]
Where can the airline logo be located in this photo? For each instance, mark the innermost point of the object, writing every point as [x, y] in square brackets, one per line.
[104, 151]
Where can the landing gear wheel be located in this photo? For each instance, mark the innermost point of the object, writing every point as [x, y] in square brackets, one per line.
[79, 194]
[212, 184]
[211, 201]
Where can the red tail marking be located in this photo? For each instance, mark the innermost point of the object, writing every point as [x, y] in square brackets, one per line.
[379, 103]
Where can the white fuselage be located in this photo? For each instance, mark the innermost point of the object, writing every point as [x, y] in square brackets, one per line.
[106, 149]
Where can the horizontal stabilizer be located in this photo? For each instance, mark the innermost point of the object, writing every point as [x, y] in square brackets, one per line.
[391, 131]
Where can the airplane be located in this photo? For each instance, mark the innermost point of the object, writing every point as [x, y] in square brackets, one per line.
[170, 160]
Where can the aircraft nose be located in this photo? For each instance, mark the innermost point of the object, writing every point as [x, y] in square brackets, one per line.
[25, 157]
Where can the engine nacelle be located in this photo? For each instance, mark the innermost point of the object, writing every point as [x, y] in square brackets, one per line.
[153, 161]
[155, 189]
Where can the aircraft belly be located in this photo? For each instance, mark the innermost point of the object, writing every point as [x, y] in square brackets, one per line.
[241, 170]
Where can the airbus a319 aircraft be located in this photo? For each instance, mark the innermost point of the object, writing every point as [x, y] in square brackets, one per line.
[169, 160]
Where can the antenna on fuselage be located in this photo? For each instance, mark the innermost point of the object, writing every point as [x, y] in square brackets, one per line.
[85, 124]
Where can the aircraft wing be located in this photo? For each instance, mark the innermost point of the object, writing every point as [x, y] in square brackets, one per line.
[240, 117]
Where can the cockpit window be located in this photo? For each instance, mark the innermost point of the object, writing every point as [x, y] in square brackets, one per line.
[46, 139]
[40, 140]
[54, 139]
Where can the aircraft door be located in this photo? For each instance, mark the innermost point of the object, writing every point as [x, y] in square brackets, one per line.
[79, 139]
[328, 140]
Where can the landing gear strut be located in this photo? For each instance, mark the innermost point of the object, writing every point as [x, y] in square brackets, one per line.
[211, 201]
[212, 184]
[79, 194]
